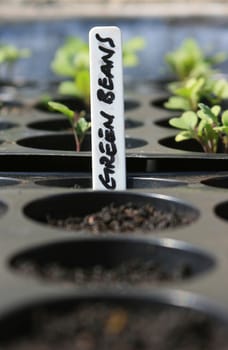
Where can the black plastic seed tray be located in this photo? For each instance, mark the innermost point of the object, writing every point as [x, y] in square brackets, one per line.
[43, 179]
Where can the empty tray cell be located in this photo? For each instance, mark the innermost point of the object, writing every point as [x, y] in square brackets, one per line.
[159, 102]
[221, 210]
[66, 142]
[111, 322]
[187, 145]
[102, 261]
[64, 124]
[218, 181]
[5, 125]
[74, 103]
[132, 182]
[111, 212]
[78, 104]
[164, 123]
[8, 181]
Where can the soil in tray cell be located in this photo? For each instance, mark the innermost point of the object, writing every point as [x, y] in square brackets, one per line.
[116, 262]
[106, 325]
[123, 218]
[112, 212]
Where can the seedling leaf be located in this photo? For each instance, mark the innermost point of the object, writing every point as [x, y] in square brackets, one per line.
[59, 107]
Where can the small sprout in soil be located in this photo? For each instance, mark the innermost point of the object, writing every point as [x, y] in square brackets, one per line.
[77, 120]
[72, 60]
[207, 126]
[9, 55]
[190, 61]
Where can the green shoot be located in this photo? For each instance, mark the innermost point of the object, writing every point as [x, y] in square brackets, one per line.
[205, 126]
[72, 61]
[77, 120]
[188, 94]
[189, 61]
[9, 55]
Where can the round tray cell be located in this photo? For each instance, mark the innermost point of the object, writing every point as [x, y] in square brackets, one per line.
[100, 212]
[100, 261]
[164, 123]
[12, 107]
[51, 125]
[64, 125]
[159, 102]
[8, 181]
[218, 181]
[112, 322]
[132, 182]
[131, 124]
[74, 103]
[221, 210]
[4, 125]
[77, 104]
[3, 208]
[186, 145]
[65, 142]
[130, 104]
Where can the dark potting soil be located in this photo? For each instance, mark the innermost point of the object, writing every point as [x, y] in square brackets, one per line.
[123, 218]
[102, 326]
[132, 272]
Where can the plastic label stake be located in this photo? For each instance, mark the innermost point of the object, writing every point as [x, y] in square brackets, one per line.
[107, 109]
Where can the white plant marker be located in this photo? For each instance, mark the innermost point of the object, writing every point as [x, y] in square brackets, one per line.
[107, 109]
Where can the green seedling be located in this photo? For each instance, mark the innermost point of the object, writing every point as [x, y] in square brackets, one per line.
[187, 96]
[193, 91]
[77, 120]
[189, 61]
[206, 126]
[9, 55]
[72, 61]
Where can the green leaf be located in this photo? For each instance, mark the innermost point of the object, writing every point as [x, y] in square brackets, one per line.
[130, 50]
[207, 114]
[177, 103]
[59, 107]
[81, 127]
[67, 88]
[187, 121]
[183, 135]
[225, 118]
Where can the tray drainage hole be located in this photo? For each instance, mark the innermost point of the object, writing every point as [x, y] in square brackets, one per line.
[116, 261]
[65, 142]
[218, 181]
[132, 182]
[111, 212]
[92, 322]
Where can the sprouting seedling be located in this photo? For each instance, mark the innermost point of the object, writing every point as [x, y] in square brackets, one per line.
[71, 60]
[193, 91]
[190, 61]
[205, 126]
[78, 123]
[9, 55]
[187, 96]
